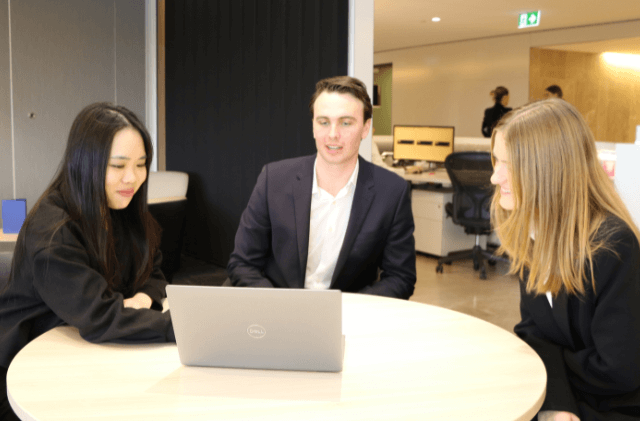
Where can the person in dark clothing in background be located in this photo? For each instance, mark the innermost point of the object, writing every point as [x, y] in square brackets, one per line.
[553, 91]
[87, 254]
[492, 115]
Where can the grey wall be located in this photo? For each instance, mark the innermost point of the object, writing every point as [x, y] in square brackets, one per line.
[66, 55]
[6, 188]
[130, 55]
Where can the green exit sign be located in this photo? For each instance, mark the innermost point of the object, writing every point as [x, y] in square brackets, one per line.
[527, 20]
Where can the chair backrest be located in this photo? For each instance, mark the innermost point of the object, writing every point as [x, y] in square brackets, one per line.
[470, 174]
[5, 267]
[167, 184]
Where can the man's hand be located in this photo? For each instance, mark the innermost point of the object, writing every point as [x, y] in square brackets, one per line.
[557, 416]
[140, 300]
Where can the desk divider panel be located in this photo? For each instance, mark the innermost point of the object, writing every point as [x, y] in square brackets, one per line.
[422, 143]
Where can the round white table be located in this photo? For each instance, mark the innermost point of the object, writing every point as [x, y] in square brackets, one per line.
[403, 361]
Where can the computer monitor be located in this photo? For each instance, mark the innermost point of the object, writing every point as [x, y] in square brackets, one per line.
[422, 143]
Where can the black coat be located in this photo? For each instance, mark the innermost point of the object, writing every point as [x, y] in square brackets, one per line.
[55, 283]
[491, 117]
[591, 345]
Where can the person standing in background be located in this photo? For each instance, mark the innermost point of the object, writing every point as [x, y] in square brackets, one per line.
[492, 115]
[553, 91]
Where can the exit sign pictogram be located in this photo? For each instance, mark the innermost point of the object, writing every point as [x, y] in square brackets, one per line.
[527, 20]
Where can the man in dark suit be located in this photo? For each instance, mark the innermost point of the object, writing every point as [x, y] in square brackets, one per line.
[329, 220]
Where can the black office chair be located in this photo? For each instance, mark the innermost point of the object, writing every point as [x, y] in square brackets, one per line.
[167, 191]
[470, 174]
[172, 219]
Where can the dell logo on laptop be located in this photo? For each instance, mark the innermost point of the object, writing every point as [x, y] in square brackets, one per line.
[256, 331]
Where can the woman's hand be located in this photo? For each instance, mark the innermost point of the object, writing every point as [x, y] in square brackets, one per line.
[140, 300]
[557, 416]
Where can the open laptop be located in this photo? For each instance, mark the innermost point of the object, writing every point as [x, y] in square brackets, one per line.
[262, 328]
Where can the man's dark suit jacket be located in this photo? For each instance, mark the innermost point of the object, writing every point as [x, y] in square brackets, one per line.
[273, 237]
[590, 345]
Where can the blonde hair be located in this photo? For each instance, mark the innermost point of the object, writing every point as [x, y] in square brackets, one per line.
[561, 197]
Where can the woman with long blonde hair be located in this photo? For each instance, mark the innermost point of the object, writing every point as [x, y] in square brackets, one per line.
[576, 249]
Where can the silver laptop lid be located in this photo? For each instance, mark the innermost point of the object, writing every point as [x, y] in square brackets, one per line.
[264, 328]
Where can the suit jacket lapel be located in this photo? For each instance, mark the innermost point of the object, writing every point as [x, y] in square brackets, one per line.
[553, 320]
[302, 188]
[362, 199]
[561, 315]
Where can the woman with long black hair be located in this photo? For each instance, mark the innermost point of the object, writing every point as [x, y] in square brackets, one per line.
[87, 254]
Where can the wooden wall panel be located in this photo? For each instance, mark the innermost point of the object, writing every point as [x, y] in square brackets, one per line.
[634, 120]
[607, 97]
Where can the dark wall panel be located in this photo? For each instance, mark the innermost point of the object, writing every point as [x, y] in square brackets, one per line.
[239, 76]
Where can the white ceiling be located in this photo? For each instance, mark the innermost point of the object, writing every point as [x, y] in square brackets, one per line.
[407, 23]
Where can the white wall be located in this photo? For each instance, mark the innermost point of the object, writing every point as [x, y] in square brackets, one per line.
[361, 53]
[449, 84]
[627, 178]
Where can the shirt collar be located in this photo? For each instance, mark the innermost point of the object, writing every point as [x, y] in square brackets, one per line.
[351, 183]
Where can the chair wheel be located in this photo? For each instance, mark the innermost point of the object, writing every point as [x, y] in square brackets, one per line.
[492, 262]
[439, 268]
[483, 273]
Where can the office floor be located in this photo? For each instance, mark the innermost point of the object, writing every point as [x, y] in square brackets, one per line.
[458, 288]
[495, 300]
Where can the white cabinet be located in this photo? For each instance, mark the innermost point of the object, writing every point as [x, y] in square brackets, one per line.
[436, 234]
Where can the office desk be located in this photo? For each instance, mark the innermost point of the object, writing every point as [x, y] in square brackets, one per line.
[7, 241]
[435, 233]
[403, 360]
[439, 176]
[8, 237]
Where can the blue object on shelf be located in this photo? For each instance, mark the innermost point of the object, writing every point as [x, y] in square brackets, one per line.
[14, 213]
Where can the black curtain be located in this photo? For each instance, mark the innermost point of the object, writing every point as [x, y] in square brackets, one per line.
[239, 76]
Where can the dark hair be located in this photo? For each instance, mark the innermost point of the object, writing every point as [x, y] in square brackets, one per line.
[499, 93]
[555, 89]
[344, 85]
[80, 184]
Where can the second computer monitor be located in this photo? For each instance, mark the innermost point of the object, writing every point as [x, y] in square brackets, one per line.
[422, 143]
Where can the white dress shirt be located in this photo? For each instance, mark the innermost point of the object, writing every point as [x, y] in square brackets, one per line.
[327, 227]
[548, 294]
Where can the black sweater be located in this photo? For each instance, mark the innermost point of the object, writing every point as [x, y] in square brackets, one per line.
[56, 283]
[590, 345]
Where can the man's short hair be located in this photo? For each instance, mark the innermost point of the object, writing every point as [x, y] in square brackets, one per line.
[344, 85]
[555, 89]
